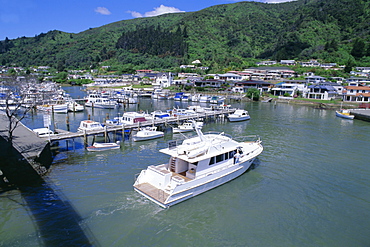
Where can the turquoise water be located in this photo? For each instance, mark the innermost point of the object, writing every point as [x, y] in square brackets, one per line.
[310, 187]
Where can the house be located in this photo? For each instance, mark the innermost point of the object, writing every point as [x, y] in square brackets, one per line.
[210, 83]
[337, 79]
[238, 89]
[363, 69]
[186, 75]
[328, 65]
[187, 66]
[228, 77]
[163, 80]
[245, 75]
[356, 93]
[288, 73]
[264, 63]
[287, 62]
[144, 72]
[315, 79]
[322, 91]
[359, 73]
[262, 86]
[358, 81]
[312, 63]
[290, 87]
[269, 73]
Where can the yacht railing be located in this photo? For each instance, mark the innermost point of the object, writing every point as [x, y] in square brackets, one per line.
[249, 138]
[217, 133]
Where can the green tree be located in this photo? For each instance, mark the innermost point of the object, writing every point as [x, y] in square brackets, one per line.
[358, 49]
[253, 94]
[61, 77]
[349, 65]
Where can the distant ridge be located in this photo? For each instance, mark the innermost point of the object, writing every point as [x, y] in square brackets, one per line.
[223, 36]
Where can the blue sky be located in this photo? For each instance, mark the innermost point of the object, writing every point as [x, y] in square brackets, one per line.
[28, 18]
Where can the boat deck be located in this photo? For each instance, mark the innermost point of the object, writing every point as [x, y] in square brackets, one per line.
[155, 193]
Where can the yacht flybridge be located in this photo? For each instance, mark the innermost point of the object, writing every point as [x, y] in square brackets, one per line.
[197, 165]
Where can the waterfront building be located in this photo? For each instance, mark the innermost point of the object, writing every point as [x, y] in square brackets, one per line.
[357, 93]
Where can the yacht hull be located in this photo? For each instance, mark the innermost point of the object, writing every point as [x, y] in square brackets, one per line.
[195, 187]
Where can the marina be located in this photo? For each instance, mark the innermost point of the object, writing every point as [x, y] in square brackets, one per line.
[304, 189]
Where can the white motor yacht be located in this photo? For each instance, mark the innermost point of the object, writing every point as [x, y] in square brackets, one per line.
[89, 125]
[186, 127]
[239, 115]
[147, 133]
[197, 165]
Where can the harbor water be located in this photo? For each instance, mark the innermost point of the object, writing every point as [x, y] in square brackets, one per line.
[309, 187]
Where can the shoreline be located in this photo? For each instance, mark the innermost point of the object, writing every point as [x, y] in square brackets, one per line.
[321, 105]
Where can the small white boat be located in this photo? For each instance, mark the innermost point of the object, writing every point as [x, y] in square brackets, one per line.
[43, 132]
[147, 133]
[56, 108]
[216, 100]
[97, 101]
[131, 118]
[89, 125]
[343, 113]
[186, 127]
[73, 106]
[204, 99]
[239, 115]
[103, 146]
[199, 164]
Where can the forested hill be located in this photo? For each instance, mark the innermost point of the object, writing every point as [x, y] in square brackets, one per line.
[230, 35]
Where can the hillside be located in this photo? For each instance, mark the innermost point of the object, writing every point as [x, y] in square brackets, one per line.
[230, 35]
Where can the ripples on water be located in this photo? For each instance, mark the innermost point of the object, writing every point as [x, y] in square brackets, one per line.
[311, 187]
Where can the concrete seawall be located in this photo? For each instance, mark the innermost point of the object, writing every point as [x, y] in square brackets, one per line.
[362, 114]
[26, 159]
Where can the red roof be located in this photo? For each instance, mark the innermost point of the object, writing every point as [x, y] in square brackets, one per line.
[357, 88]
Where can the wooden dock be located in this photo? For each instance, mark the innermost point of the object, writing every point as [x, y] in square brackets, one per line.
[65, 135]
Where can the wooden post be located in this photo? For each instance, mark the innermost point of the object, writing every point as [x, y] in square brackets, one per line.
[67, 122]
[85, 138]
[105, 134]
[123, 132]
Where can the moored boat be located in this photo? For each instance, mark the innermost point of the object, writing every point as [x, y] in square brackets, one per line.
[197, 165]
[147, 133]
[103, 146]
[73, 106]
[344, 113]
[56, 108]
[239, 115]
[43, 132]
[89, 125]
[187, 126]
[98, 101]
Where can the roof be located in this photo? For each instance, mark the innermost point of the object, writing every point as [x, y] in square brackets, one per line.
[252, 82]
[357, 88]
[327, 87]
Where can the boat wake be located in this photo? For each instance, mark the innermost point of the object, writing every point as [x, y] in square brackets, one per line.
[131, 201]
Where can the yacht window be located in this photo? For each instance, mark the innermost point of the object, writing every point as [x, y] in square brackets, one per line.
[212, 161]
[219, 158]
[226, 156]
[195, 163]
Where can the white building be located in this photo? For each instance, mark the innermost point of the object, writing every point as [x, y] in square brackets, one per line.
[163, 80]
[315, 79]
[228, 77]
